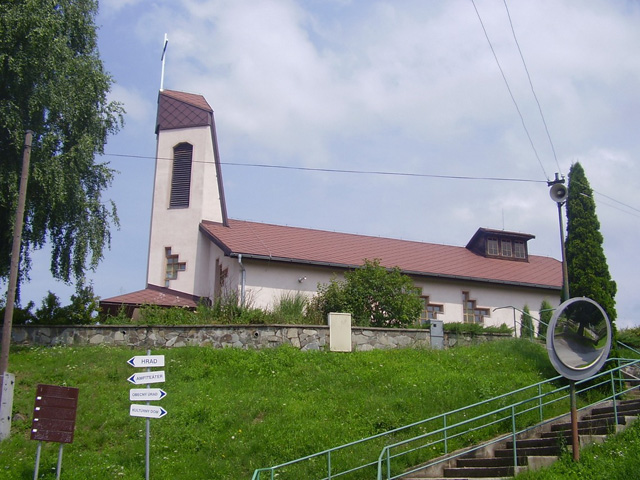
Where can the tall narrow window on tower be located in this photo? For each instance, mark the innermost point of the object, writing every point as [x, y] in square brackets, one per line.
[181, 177]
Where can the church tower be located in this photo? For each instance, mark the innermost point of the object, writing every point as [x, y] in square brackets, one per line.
[187, 190]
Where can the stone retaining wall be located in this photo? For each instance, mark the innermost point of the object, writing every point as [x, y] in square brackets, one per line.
[304, 337]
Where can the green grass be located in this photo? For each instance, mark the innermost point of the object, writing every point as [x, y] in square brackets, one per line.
[232, 411]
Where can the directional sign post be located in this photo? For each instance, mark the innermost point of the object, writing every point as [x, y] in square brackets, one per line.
[148, 394]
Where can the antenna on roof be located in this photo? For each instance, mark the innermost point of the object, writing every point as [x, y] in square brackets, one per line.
[164, 51]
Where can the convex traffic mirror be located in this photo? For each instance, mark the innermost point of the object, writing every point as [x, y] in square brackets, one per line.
[578, 338]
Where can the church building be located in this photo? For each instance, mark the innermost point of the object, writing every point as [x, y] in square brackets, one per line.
[197, 253]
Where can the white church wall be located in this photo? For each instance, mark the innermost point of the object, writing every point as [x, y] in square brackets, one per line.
[267, 282]
[449, 294]
[177, 228]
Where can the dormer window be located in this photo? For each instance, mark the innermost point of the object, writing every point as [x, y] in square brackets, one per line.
[506, 248]
[500, 244]
[519, 250]
[493, 247]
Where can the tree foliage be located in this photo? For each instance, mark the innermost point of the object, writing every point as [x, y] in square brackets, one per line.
[546, 313]
[588, 270]
[373, 295]
[52, 82]
[526, 323]
[83, 309]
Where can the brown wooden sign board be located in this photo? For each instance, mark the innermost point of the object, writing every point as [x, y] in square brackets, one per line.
[54, 414]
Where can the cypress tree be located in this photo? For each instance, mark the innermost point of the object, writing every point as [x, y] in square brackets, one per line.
[526, 323]
[545, 317]
[588, 270]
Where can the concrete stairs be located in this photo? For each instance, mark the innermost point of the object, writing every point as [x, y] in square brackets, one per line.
[539, 447]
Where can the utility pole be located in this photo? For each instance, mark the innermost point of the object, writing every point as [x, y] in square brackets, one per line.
[11, 292]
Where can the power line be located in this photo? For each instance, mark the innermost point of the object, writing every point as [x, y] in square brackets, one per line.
[617, 201]
[380, 172]
[376, 172]
[524, 125]
[338, 170]
[544, 122]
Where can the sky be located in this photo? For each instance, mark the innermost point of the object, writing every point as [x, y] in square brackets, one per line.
[406, 87]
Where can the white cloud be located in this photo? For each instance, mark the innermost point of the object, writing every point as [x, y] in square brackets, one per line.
[137, 108]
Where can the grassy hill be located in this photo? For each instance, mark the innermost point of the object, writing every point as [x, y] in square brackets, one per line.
[232, 411]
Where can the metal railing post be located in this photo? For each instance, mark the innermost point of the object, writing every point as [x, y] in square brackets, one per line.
[615, 403]
[329, 465]
[540, 402]
[513, 429]
[388, 464]
[446, 449]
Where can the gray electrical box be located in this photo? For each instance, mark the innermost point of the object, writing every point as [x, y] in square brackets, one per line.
[437, 334]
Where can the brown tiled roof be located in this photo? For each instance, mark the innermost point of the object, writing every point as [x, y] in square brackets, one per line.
[319, 247]
[153, 295]
[182, 110]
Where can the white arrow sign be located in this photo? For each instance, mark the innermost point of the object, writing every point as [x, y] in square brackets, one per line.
[147, 411]
[146, 361]
[144, 378]
[146, 394]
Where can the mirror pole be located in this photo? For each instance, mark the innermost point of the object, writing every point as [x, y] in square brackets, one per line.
[574, 422]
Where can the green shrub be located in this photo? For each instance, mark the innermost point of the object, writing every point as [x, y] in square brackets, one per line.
[291, 308]
[155, 315]
[21, 316]
[474, 328]
[630, 336]
[374, 295]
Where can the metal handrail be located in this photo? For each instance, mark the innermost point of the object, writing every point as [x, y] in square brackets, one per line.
[385, 456]
[449, 430]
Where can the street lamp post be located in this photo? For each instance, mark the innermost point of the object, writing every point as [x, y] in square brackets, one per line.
[558, 193]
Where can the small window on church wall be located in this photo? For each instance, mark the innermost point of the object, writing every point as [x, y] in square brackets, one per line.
[471, 313]
[173, 266]
[181, 176]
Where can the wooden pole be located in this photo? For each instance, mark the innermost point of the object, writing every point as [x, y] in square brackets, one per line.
[15, 254]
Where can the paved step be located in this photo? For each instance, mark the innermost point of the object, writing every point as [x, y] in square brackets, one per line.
[479, 472]
[533, 443]
[568, 436]
[546, 451]
[588, 425]
[623, 407]
[490, 462]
